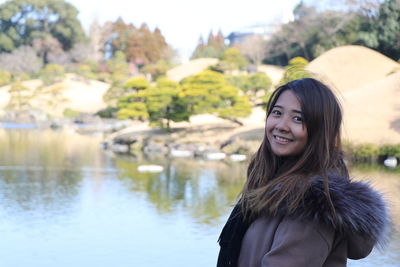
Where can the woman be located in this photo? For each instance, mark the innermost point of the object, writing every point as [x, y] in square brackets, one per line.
[298, 206]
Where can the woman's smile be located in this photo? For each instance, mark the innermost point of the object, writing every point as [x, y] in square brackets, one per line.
[285, 128]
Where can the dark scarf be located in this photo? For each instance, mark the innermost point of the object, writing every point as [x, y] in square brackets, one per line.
[231, 238]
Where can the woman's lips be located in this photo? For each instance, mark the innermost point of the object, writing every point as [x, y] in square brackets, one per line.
[282, 140]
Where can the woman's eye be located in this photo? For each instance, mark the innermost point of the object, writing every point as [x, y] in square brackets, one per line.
[298, 119]
[276, 112]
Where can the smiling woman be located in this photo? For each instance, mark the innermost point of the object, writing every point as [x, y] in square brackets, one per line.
[285, 130]
[298, 206]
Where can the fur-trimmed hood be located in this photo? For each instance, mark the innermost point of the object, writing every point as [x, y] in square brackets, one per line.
[359, 209]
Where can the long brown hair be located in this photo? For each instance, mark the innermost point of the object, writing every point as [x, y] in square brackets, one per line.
[273, 181]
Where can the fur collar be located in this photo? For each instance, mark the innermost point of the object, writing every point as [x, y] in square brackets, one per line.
[359, 208]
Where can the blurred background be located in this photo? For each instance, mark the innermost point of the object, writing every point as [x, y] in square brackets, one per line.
[126, 127]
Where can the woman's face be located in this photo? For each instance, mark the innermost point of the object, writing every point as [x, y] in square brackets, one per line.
[285, 129]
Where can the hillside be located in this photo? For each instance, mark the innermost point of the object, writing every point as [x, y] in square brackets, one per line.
[368, 86]
[350, 67]
[74, 93]
[192, 67]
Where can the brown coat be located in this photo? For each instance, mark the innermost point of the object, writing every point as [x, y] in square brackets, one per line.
[284, 242]
[311, 236]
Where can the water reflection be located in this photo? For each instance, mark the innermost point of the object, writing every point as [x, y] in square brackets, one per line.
[65, 202]
[202, 190]
[40, 171]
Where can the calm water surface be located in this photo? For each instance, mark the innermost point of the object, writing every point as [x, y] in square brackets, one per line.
[65, 202]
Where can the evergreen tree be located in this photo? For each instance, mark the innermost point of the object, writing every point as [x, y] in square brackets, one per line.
[22, 21]
[210, 92]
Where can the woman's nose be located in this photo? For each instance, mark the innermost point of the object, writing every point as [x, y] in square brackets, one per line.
[282, 125]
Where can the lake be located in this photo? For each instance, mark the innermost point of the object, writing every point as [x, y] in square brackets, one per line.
[66, 202]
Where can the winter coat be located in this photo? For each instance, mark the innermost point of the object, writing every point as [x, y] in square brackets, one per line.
[310, 236]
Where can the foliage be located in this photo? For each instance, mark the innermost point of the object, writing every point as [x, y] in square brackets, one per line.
[21, 60]
[156, 70]
[49, 49]
[160, 103]
[259, 81]
[136, 84]
[86, 71]
[213, 48]
[164, 104]
[315, 30]
[235, 107]
[51, 74]
[210, 92]
[251, 84]
[21, 21]
[265, 98]
[140, 45]
[20, 96]
[5, 77]
[119, 73]
[70, 113]
[118, 67]
[109, 112]
[253, 48]
[387, 28]
[361, 152]
[389, 150]
[232, 59]
[133, 106]
[295, 70]
[55, 94]
[81, 52]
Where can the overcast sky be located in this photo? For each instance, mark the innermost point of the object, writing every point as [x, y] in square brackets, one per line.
[183, 21]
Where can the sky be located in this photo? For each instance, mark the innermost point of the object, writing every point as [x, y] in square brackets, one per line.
[183, 21]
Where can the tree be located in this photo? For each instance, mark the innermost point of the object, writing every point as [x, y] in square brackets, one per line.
[136, 84]
[209, 92]
[133, 106]
[295, 70]
[22, 21]
[5, 77]
[164, 103]
[21, 60]
[232, 59]
[251, 84]
[214, 47]
[52, 73]
[253, 48]
[47, 48]
[140, 45]
[161, 104]
[387, 28]
[20, 97]
[119, 70]
[97, 41]
[156, 70]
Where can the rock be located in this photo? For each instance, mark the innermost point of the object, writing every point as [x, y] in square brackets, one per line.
[214, 155]
[238, 157]
[390, 162]
[150, 168]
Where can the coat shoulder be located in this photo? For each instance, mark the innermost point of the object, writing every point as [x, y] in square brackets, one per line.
[359, 208]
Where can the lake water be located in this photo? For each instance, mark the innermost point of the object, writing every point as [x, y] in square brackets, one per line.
[66, 202]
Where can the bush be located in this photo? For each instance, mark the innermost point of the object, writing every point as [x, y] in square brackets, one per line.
[366, 153]
[70, 113]
[389, 150]
[52, 74]
[5, 77]
[295, 70]
[109, 112]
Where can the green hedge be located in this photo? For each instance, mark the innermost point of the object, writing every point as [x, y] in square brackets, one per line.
[369, 153]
